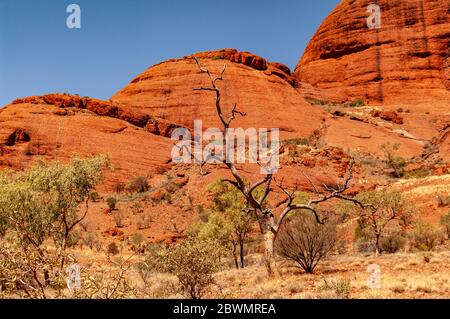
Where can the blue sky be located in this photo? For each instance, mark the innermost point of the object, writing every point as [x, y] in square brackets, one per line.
[120, 39]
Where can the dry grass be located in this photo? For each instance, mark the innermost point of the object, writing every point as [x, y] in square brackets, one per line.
[403, 276]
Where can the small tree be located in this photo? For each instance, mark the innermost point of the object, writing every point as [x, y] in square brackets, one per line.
[379, 210]
[192, 261]
[304, 241]
[111, 202]
[268, 219]
[44, 202]
[231, 203]
[392, 160]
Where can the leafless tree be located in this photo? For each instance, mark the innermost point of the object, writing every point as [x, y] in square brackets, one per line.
[304, 241]
[268, 221]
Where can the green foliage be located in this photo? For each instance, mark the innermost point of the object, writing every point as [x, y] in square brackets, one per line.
[220, 56]
[43, 201]
[355, 103]
[40, 204]
[94, 196]
[393, 241]
[340, 286]
[192, 261]
[111, 202]
[425, 236]
[230, 222]
[392, 160]
[383, 210]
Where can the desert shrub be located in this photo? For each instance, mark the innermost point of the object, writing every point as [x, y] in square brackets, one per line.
[341, 287]
[119, 188]
[392, 160]
[392, 242]
[138, 243]
[229, 223]
[304, 241]
[445, 221]
[90, 239]
[355, 103]
[137, 208]
[94, 196]
[364, 239]
[193, 262]
[383, 210]
[418, 173]
[138, 184]
[118, 219]
[137, 239]
[425, 236]
[112, 249]
[443, 200]
[144, 221]
[111, 202]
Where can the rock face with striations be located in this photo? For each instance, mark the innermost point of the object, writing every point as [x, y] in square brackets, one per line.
[404, 62]
[57, 126]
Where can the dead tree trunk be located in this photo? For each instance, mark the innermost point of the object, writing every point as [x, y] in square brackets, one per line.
[268, 223]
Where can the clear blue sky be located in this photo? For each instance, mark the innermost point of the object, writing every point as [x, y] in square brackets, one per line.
[120, 39]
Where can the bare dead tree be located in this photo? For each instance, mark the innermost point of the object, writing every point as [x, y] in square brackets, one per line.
[267, 218]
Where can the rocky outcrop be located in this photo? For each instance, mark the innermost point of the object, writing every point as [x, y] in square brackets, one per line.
[152, 124]
[58, 131]
[263, 90]
[404, 62]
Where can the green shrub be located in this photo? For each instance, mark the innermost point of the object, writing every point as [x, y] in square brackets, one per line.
[392, 242]
[425, 236]
[93, 196]
[392, 160]
[111, 202]
[340, 286]
[355, 103]
[193, 262]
